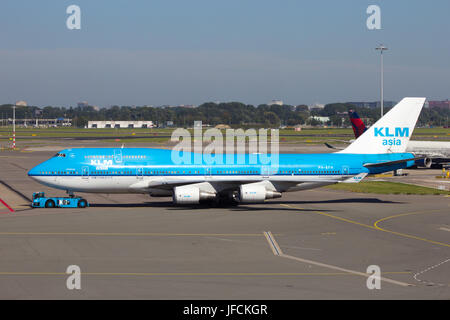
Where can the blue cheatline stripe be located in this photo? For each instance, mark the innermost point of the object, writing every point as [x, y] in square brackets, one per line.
[183, 175]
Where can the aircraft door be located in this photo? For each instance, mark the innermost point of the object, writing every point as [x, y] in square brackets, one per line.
[140, 173]
[118, 155]
[208, 172]
[85, 172]
[345, 170]
[265, 171]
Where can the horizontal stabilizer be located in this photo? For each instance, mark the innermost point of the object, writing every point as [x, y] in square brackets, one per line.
[389, 163]
[333, 147]
[356, 179]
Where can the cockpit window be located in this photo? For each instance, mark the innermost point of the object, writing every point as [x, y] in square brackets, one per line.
[63, 155]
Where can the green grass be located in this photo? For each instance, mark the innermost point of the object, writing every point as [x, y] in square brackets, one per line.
[313, 136]
[136, 140]
[384, 187]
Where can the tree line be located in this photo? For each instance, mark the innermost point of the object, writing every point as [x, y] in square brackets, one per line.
[233, 114]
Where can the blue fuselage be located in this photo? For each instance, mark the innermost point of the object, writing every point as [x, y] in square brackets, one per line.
[120, 170]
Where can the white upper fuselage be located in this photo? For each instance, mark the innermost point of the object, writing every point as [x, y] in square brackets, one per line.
[430, 148]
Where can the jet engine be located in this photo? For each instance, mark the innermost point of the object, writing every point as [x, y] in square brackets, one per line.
[251, 193]
[190, 195]
[424, 163]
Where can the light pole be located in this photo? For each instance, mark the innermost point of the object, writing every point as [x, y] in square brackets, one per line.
[381, 48]
[14, 127]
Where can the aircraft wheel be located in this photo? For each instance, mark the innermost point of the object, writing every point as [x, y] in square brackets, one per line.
[223, 202]
[49, 204]
[82, 203]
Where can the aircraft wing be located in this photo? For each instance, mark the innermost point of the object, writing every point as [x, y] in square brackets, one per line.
[224, 184]
[168, 183]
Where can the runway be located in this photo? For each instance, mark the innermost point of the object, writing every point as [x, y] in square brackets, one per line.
[137, 247]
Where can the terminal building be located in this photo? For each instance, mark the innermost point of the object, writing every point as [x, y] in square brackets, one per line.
[119, 124]
[38, 122]
[439, 104]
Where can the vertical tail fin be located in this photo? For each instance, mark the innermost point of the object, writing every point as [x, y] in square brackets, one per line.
[357, 124]
[392, 132]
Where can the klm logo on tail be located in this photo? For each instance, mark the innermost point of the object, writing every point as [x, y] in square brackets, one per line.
[392, 134]
[399, 132]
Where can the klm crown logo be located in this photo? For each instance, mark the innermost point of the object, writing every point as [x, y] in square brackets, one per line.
[391, 133]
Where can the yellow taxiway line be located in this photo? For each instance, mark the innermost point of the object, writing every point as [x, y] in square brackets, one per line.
[191, 274]
[376, 226]
[408, 235]
[136, 234]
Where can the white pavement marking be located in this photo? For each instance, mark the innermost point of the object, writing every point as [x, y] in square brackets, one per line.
[428, 269]
[273, 244]
[444, 229]
[278, 252]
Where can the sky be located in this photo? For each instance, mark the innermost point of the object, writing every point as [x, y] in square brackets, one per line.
[172, 52]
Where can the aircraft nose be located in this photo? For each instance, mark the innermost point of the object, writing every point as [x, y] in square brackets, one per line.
[35, 171]
[32, 173]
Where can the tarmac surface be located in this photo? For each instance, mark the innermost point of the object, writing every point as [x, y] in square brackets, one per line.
[313, 244]
[422, 177]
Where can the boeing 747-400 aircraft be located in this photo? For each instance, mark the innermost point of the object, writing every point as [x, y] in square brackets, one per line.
[153, 171]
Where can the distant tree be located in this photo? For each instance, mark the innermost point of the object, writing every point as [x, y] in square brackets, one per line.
[334, 108]
[80, 121]
[235, 114]
[302, 108]
[272, 120]
[314, 122]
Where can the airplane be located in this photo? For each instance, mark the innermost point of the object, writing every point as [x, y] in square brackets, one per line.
[358, 129]
[152, 171]
[435, 153]
[357, 124]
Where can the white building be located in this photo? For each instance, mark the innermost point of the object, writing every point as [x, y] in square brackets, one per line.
[82, 104]
[277, 102]
[321, 119]
[120, 124]
[21, 103]
[316, 106]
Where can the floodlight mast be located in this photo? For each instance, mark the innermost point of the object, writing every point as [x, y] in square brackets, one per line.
[381, 48]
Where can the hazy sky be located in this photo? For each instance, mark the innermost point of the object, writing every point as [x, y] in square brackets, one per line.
[188, 52]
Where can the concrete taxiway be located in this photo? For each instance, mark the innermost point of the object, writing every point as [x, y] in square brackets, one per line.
[431, 178]
[314, 244]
